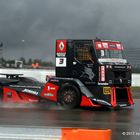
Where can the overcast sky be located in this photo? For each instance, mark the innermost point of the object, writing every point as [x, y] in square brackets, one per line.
[30, 27]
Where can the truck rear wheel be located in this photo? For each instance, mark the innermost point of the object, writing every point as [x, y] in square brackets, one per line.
[69, 97]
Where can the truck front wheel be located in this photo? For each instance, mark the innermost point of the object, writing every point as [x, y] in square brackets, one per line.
[69, 97]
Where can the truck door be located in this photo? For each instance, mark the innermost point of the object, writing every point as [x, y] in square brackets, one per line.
[84, 62]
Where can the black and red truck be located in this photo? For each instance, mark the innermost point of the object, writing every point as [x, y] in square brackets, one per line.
[92, 73]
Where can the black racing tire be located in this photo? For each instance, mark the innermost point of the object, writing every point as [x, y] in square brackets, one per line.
[69, 96]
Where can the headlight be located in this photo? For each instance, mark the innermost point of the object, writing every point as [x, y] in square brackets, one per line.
[108, 66]
[129, 67]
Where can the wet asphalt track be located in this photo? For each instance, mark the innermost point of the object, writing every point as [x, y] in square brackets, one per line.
[125, 123]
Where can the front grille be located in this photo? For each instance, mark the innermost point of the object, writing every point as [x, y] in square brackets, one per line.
[119, 74]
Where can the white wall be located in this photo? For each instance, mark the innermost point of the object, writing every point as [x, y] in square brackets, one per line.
[41, 74]
[135, 79]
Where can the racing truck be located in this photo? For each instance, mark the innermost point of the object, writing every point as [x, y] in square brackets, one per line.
[91, 73]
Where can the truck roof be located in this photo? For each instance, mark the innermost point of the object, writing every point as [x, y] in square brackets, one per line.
[96, 39]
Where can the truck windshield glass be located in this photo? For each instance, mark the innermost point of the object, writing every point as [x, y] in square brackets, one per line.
[83, 52]
[119, 54]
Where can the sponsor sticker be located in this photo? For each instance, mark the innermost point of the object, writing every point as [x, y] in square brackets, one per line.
[119, 46]
[102, 84]
[107, 90]
[109, 46]
[30, 91]
[51, 88]
[61, 48]
[112, 46]
[103, 73]
[99, 46]
[123, 105]
[48, 94]
[105, 45]
[61, 54]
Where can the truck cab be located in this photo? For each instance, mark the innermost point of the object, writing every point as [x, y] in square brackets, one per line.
[100, 66]
[114, 68]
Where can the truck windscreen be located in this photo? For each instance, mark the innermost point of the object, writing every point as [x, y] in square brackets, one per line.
[118, 54]
[110, 50]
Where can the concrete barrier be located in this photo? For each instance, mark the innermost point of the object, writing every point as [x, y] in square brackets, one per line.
[40, 74]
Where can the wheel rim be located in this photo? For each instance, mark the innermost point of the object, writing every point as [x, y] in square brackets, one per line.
[69, 96]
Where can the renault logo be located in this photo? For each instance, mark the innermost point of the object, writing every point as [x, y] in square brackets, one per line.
[61, 46]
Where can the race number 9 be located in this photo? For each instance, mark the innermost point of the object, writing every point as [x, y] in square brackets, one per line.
[61, 62]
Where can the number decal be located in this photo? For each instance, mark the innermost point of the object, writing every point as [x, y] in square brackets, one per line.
[60, 62]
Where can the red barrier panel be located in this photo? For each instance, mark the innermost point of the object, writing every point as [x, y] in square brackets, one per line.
[85, 134]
